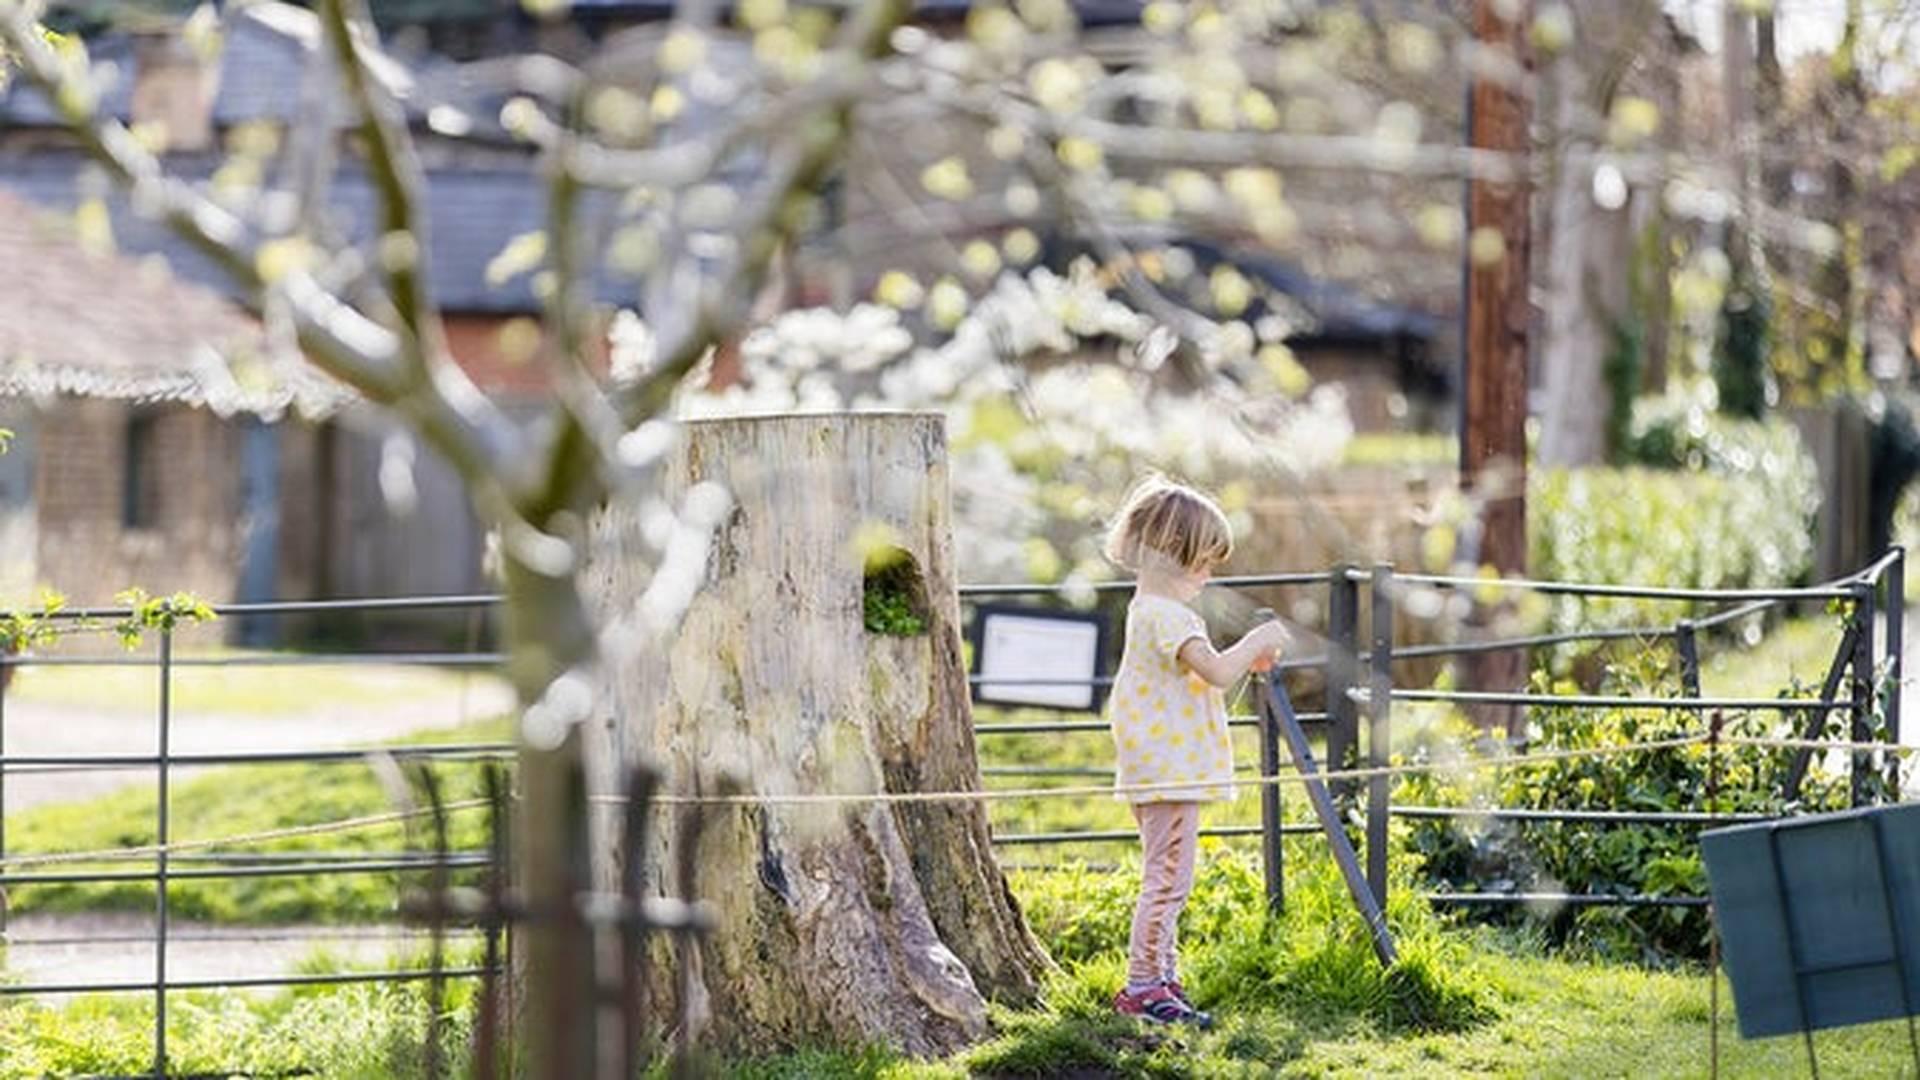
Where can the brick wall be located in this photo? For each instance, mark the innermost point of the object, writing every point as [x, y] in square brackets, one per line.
[84, 548]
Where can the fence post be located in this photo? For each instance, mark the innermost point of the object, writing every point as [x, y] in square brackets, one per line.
[1861, 690]
[161, 838]
[1896, 660]
[1684, 642]
[1379, 729]
[1343, 659]
[1272, 854]
[6, 676]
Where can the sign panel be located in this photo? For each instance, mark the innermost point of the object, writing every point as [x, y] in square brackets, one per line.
[1025, 656]
[1819, 918]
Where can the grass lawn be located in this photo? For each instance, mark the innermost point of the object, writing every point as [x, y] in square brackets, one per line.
[253, 688]
[1545, 1017]
[248, 799]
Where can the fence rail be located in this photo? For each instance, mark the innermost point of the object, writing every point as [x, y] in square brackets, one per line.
[1357, 723]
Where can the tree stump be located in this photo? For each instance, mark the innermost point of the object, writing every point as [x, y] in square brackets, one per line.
[843, 923]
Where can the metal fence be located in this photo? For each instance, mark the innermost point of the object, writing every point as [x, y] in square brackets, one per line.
[1359, 685]
[159, 859]
[1357, 671]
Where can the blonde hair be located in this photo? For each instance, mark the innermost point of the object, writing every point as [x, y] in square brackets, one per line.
[1163, 520]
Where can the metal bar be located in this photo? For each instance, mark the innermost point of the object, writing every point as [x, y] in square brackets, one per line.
[1468, 648]
[1896, 607]
[1597, 817]
[1324, 809]
[1272, 852]
[299, 607]
[1343, 634]
[328, 979]
[1128, 835]
[1241, 581]
[29, 762]
[1689, 649]
[163, 837]
[275, 660]
[1879, 566]
[1631, 592]
[222, 873]
[1380, 728]
[1861, 692]
[1708, 622]
[1040, 727]
[1570, 899]
[1817, 722]
[1590, 701]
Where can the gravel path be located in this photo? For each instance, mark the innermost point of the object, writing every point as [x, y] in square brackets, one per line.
[118, 948]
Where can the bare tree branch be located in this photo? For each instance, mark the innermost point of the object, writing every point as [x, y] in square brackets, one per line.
[716, 306]
[401, 240]
[344, 342]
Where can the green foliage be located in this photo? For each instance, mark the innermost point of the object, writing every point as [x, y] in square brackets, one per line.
[163, 613]
[1681, 431]
[1740, 353]
[1401, 448]
[1468, 854]
[1621, 368]
[40, 626]
[23, 629]
[894, 598]
[891, 612]
[1740, 514]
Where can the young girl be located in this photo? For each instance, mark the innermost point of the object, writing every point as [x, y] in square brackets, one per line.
[1169, 719]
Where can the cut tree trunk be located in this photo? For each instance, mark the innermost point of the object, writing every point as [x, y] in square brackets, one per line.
[844, 923]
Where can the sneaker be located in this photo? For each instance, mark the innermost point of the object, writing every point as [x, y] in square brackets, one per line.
[1159, 1005]
[1173, 986]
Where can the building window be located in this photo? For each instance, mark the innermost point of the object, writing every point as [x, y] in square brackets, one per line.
[140, 492]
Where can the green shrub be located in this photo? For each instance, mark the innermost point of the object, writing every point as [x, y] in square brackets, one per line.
[1468, 854]
[1707, 502]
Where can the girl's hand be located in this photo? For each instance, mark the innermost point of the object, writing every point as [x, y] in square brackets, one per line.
[1270, 639]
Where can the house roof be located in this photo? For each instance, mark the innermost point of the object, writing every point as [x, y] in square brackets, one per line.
[105, 325]
[264, 57]
[472, 214]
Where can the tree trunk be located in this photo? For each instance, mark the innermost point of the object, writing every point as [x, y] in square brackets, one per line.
[1493, 445]
[1586, 282]
[837, 923]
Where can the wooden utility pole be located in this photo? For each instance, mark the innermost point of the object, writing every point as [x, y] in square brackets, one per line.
[1493, 448]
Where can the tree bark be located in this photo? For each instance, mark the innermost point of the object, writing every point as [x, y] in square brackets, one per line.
[1493, 447]
[844, 923]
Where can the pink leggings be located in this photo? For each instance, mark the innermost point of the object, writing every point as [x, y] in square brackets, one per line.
[1169, 831]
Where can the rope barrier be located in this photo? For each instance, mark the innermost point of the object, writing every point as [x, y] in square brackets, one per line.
[148, 851]
[1293, 776]
[1084, 790]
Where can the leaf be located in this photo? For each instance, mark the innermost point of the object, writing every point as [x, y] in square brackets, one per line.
[520, 255]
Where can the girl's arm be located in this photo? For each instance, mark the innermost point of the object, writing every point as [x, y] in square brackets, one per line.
[1223, 669]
